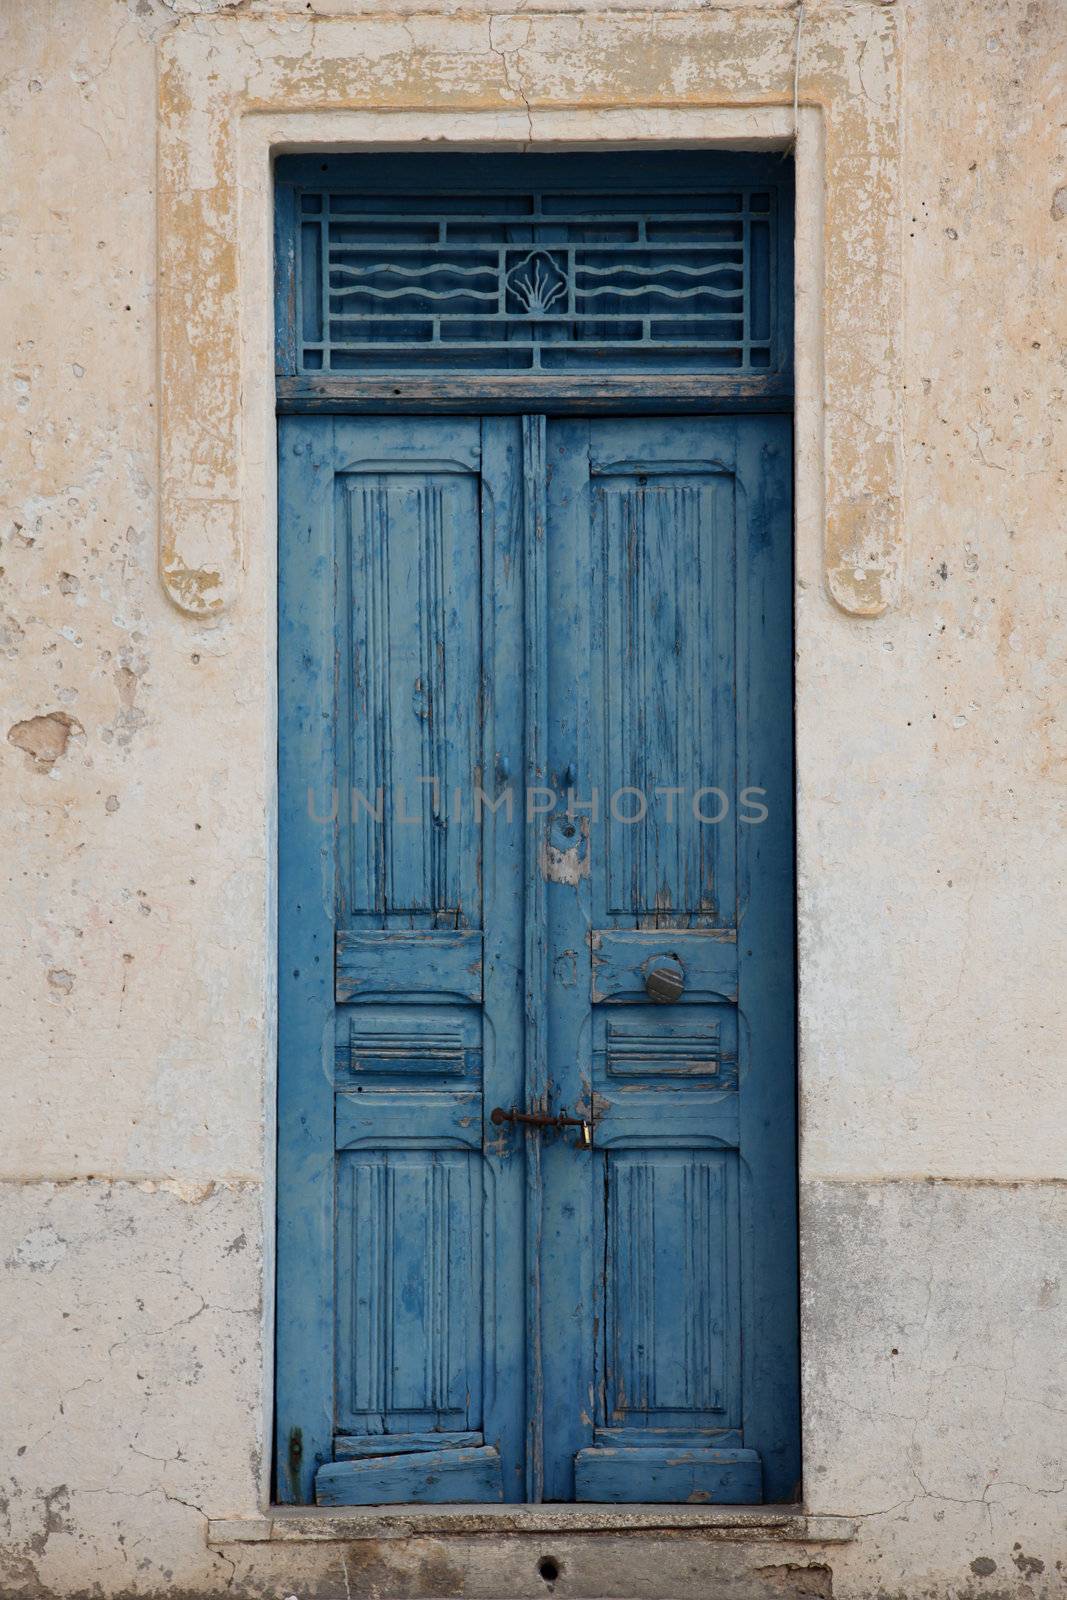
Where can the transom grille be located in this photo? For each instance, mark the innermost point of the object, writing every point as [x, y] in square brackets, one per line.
[549, 280]
[662, 273]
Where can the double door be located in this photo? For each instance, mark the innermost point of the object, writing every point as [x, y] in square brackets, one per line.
[536, 1180]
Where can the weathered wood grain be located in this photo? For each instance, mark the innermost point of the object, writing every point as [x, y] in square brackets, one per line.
[672, 1476]
[433, 1477]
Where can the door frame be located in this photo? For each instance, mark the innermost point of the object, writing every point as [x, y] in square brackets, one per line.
[227, 111]
[627, 395]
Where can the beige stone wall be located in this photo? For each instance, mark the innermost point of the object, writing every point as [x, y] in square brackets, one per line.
[134, 763]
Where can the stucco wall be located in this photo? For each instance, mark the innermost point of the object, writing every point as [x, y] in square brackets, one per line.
[134, 1155]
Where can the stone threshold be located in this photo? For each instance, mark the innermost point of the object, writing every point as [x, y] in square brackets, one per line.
[726, 1524]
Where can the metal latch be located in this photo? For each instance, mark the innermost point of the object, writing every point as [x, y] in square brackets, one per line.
[534, 1119]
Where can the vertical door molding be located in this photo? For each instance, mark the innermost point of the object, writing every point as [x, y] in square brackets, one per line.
[535, 612]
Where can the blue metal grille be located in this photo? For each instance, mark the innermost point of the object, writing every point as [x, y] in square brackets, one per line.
[550, 280]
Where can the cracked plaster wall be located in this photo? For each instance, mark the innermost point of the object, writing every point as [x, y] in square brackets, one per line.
[133, 762]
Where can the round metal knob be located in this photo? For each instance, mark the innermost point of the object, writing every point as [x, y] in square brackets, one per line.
[664, 984]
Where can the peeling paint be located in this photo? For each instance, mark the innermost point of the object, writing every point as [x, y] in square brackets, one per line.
[543, 63]
[570, 865]
[45, 738]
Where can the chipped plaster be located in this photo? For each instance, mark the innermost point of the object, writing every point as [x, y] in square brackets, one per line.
[524, 81]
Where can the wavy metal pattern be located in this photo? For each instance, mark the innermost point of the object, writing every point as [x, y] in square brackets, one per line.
[543, 281]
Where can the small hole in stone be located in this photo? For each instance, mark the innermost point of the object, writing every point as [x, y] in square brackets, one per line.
[548, 1567]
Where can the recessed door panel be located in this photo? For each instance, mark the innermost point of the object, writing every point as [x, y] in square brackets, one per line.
[409, 1282]
[671, 1330]
[663, 553]
[413, 668]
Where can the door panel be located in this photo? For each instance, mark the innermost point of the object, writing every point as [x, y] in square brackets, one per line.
[479, 1308]
[401, 1313]
[424, 1476]
[662, 559]
[669, 1248]
[412, 627]
[669, 1475]
[409, 1290]
[670, 1287]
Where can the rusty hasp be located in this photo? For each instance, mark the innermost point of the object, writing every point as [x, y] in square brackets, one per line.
[534, 1119]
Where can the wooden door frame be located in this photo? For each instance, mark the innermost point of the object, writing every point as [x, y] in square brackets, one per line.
[620, 395]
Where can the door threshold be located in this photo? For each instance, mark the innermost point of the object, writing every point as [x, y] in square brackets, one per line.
[749, 1524]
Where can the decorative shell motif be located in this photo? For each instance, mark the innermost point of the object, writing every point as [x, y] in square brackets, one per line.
[536, 284]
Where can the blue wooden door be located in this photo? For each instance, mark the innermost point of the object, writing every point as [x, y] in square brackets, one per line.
[523, 667]
[669, 1253]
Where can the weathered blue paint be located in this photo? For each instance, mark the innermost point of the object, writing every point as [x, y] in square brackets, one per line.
[400, 1243]
[358, 1447]
[307, 908]
[469, 1311]
[665, 1476]
[406, 966]
[378, 1118]
[624, 957]
[669, 1252]
[435, 1476]
[536, 626]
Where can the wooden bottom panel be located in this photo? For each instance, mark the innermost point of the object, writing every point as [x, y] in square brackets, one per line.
[432, 1477]
[665, 1476]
